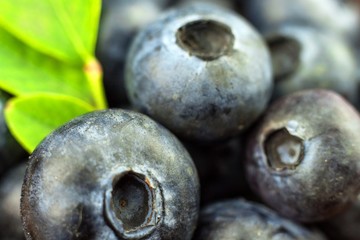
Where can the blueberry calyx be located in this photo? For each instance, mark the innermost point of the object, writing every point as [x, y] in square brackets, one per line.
[132, 203]
[205, 39]
[283, 150]
[285, 54]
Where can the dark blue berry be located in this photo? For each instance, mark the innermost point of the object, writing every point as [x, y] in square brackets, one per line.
[111, 174]
[303, 157]
[200, 70]
[241, 219]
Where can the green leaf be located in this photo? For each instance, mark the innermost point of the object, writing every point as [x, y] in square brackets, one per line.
[24, 70]
[64, 29]
[31, 118]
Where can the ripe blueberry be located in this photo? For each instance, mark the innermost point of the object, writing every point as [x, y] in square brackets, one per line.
[241, 219]
[339, 17]
[303, 157]
[200, 70]
[111, 174]
[305, 58]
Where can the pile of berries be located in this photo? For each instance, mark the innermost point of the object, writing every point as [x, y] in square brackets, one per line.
[227, 120]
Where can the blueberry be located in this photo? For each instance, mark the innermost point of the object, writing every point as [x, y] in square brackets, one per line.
[241, 219]
[111, 174]
[200, 70]
[11, 153]
[303, 157]
[339, 17]
[10, 192]
[305, 58]
[120, 21]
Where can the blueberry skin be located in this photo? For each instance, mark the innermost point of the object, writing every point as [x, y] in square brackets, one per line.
[11, 153]
[241, 219]
[120, 21]
[200, 70]
[10, 192]
[221, 3]
[111, 174]
[305, 58]
[344, 226]
[330, 15]
[303, 157]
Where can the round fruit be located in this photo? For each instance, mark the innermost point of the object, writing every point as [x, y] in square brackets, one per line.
[111, 174]
[336, 16]
[240, 219]
[200, 70]
[303, 158]
[305, 58]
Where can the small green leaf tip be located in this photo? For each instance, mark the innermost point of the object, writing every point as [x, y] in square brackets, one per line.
[31, 118]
